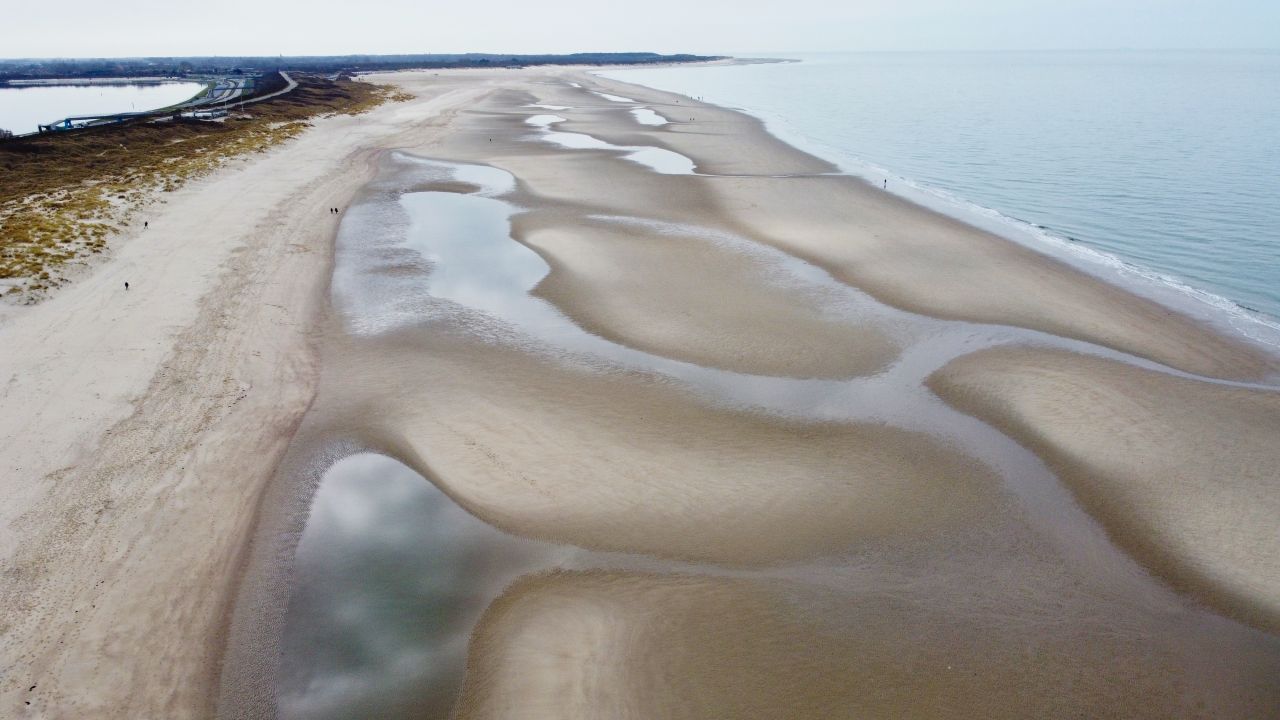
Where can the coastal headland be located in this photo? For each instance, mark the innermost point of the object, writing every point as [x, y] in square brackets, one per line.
[810, 450]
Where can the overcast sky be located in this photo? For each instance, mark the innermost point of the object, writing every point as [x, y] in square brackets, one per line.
[97, 28]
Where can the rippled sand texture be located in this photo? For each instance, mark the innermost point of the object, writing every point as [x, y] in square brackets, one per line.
[821, 453]
[1184, 473]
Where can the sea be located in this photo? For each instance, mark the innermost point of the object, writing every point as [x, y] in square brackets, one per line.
[1159, 170]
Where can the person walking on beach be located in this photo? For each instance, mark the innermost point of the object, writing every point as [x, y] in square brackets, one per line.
[126, 286]
[886, 183]
[145, 223]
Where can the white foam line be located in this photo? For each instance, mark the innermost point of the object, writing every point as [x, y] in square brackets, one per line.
[1204, 305]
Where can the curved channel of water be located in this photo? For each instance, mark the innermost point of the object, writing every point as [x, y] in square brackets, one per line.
[383, 600]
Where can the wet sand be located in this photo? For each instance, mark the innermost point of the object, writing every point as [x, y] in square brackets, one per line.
[1183, 474]
[578, 644]
[724, 393]
[800, 448]
[638, 302]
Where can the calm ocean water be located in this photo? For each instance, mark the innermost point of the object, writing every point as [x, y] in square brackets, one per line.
[1160, 167]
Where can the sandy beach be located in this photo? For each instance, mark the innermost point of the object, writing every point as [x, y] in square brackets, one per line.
[802, 448]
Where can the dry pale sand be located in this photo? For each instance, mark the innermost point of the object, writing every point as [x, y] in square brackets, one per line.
[868, 559]
[138, 429]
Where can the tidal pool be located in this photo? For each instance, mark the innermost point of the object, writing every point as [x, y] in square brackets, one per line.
[471, 265]
[659, 160]
[614, 98]
[390, 577]
[645, 116]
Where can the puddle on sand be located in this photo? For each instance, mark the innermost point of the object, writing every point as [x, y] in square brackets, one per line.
[476, 267]
[389, 579]
[645, 116]
[659, 160]
[391, 575]
[613, 98]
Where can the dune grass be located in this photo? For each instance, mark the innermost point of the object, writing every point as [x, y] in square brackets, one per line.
[63, 195]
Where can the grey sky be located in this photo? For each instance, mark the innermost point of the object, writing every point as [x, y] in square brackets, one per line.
[81, 28]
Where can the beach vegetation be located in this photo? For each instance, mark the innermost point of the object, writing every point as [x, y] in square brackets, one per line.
[63, 196]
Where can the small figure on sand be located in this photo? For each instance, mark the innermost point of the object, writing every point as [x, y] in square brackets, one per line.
[126, 286]
[886, 183]
[144, 224]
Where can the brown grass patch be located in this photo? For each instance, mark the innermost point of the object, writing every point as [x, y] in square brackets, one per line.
[64, 194]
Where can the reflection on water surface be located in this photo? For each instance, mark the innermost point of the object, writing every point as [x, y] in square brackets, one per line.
[390, 577]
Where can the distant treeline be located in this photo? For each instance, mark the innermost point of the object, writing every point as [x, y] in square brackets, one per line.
[32, 69]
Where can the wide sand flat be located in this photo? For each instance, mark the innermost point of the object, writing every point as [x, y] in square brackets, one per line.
[639, 298]
[815, 467]
[936, 571]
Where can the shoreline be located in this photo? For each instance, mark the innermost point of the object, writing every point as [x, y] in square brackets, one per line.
[544, 445]
[1266, 358]
[486, 419]
[1212, 307]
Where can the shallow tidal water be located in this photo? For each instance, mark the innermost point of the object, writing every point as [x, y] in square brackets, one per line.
[391, 576]
[1158, 169]
[660, 160]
